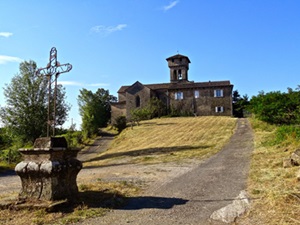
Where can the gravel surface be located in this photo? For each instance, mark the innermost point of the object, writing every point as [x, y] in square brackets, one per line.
[191, 197]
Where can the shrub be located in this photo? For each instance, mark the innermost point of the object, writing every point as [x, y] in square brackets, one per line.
[11, 155]
[74, 138]
[120, 123]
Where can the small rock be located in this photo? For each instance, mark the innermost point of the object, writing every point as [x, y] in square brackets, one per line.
[231, 212]
[295, 158]
[298, 175]
[287, 163]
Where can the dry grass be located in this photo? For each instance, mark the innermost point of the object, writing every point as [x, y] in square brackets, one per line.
[94, 200]
[169, 140]
[274, 188]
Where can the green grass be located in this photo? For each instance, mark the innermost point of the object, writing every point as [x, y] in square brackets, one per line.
[275, 189]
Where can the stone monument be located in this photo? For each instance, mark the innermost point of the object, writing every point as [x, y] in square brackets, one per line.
[49, 169]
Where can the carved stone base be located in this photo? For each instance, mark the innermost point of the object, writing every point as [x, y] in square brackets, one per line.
[49, 170]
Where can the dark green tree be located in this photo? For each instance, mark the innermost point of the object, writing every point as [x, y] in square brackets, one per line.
[239, 104]
[25, 113]
[94, 109]
[277, 107]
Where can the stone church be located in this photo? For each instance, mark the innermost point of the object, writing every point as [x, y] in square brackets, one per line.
[212, 98]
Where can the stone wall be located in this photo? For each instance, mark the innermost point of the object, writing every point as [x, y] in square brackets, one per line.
[117, 109]
[206, 103]
[144, 96]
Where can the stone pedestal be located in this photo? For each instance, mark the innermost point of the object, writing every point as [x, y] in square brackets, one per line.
[49, 170]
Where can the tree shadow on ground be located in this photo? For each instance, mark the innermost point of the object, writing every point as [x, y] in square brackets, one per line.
[149, 151]
[4, 172]
[102, 199]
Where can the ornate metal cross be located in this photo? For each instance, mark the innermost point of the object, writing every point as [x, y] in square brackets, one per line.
[53, 68]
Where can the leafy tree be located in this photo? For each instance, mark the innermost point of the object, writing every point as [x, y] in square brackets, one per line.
[239, 104]
[94, 109]
[25, 113]
[276, 107]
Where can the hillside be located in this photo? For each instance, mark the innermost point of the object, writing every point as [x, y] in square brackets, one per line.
[169, 139]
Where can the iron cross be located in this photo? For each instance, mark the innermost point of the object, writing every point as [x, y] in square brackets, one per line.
[53, 68]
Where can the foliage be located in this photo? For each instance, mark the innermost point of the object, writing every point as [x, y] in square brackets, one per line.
[5, 139]
[239, 104]
[94, 109]
[25, 113]
[10, 155]
[277, 107]
[139, 114]
[154, 108]
[74, 138]
[120, 123]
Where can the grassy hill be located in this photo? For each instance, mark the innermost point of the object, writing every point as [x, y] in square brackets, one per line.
[169, 139]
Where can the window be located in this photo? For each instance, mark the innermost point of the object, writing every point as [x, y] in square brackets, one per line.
[179, 75]
[179, 95]
[218, 93]
[219, 109]
[137, 101]
[196, 94]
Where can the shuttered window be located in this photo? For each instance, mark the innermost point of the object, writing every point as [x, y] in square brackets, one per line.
[218, 93]
[219, 109]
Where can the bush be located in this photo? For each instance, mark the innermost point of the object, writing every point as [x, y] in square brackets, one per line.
[11, 155]
[120, 123]
[74, 138]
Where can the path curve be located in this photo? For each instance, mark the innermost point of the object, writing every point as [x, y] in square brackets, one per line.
[192, 197]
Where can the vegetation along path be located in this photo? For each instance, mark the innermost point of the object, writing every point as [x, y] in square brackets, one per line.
[192, 197]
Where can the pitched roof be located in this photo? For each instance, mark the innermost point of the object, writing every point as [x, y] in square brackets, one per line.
[181, 85]
[178, 56]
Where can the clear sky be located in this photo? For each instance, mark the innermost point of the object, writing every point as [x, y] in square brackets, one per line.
[253, 43]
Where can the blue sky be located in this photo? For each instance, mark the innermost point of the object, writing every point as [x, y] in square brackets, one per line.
[253, 43]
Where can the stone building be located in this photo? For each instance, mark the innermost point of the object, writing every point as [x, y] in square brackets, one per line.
[188, 97]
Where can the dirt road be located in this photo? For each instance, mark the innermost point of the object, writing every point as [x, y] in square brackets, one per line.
[194, 194]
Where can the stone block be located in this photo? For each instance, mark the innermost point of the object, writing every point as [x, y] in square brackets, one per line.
[49, 170]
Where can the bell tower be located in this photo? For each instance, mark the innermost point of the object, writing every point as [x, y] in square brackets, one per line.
[179, 66]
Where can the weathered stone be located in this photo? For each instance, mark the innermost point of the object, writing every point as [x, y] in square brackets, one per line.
[49, 170]
[50, 142]
[229, 213]
[287, 163]
[298, 175]
[295, 158]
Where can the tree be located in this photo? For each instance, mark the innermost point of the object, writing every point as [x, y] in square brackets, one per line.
[239, 104]
[25, 113]
[94, 109]
[276, 107]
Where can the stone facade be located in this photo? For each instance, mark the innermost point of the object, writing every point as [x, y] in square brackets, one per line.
[187, 97]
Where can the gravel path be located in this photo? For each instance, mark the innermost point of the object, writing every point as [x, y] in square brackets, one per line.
[192, 197]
